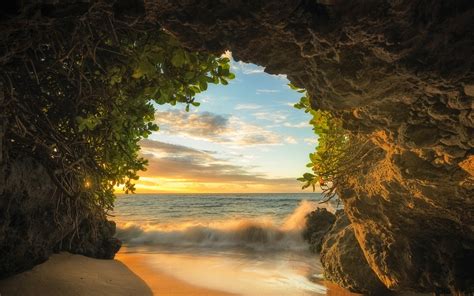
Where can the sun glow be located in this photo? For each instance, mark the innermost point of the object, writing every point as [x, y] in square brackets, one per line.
[246, 137]
[169, 185]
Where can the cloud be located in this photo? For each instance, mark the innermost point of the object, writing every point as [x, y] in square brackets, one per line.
[151, 146]
[291, 140]
[303, 124]
[247, 107]
[247, 69]
[275, 117]
[267, 91]
[244, 68]
[215, 128]
[311, 141]
[186, 164]
[201, 125]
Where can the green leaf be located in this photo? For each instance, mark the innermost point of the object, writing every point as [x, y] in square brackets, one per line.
[178, 58]
[203, 85]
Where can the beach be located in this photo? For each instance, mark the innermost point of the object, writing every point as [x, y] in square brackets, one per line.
[127, 275]
[192, 245]
[77, 275]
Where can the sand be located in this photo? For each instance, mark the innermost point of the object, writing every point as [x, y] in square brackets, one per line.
[128, 274]
[67, 274]
[161, 283]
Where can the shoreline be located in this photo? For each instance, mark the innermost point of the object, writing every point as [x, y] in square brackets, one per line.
[160, 282]
[126, 275]
[77, 275]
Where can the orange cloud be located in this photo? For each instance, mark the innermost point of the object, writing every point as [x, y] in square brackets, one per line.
[177, 168]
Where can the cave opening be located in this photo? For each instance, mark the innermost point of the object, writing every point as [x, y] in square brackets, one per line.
[221, 190]
[398, 75]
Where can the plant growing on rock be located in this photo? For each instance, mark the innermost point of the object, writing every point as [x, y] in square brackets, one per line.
[81, 92]
[331, 155]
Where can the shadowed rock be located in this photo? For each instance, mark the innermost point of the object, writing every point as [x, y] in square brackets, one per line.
[344, 263]
[35, 219]
[400, 74]
[318, 223]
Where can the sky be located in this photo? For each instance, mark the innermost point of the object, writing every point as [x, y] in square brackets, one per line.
[245, 137]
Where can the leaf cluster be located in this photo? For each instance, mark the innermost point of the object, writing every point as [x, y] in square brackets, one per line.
[81, 92]
[328, 161]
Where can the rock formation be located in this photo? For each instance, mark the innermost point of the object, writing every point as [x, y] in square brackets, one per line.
[400, 74]
[344, 262]
[36, 219]
[318, 223]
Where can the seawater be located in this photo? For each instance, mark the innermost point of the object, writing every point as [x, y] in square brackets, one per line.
[247, 244]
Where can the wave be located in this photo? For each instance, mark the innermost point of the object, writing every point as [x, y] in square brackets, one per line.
[258, 234]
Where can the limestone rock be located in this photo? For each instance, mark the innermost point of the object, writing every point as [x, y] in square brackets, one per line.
[399, 74]
[345, 264]
[94, 238]
[386, 68]
[318, 223]
[35, 220]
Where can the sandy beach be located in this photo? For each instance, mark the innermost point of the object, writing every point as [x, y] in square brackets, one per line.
[127, 275]
[76, 275]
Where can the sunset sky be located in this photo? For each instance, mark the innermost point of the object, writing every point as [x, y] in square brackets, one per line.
[245, 137]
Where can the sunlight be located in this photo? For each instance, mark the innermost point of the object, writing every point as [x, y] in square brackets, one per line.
[246, 137]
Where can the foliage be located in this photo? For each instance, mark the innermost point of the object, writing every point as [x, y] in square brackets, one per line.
[330, 156]
[81, 94]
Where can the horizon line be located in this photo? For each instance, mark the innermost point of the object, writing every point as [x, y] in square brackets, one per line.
[143, 193]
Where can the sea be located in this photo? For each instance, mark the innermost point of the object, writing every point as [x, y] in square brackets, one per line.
[237, 243]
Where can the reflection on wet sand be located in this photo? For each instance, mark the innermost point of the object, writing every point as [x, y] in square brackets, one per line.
[227, 274]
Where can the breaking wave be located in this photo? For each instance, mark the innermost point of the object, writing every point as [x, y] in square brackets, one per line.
[257, 234]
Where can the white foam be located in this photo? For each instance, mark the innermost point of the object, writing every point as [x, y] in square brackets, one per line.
[260, 233]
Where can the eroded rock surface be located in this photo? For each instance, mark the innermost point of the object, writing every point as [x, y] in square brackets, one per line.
[344, 262]
[318, 223]
[36, 219]
[400, 74]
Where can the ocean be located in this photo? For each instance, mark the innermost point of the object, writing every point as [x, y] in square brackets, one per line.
[238, 243]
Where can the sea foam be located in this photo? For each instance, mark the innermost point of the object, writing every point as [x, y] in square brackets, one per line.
[263, 233]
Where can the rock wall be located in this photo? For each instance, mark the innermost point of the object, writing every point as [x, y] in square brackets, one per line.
[400, 74]
[344, 262]
[332, 237]
[318, 223]
[36, 219]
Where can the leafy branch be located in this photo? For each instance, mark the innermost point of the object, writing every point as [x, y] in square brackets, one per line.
[80, 93]
[330, 159]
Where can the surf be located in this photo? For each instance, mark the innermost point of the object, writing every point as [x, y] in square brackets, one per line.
[259, 233]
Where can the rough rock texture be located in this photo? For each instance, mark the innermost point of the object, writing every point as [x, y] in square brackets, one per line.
[94, 238]
[318, 223]
[35, 219]
[400, 74]
[344, 262]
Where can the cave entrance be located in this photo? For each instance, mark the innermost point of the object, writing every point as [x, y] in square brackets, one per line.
[220, 193]
[244, 137]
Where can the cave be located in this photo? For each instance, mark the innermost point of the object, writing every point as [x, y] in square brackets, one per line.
[398, 73]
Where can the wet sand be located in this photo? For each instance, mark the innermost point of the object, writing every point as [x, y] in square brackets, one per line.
[161, 283]
[76, 275]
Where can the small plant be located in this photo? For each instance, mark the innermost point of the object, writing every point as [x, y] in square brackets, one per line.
[331, 153]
